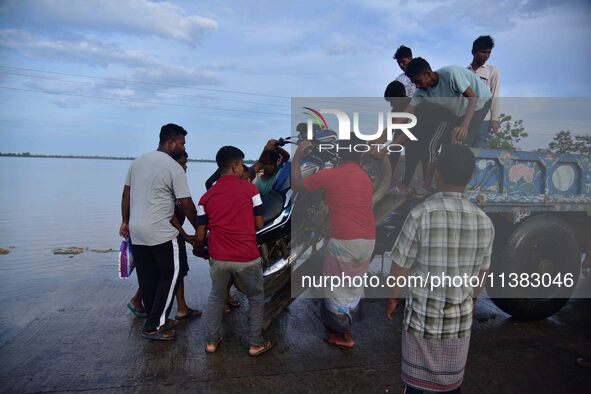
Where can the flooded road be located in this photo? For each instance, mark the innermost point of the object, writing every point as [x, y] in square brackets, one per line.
[64, 325]
[75, 334]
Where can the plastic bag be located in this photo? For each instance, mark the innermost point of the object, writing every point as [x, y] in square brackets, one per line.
[125, 260]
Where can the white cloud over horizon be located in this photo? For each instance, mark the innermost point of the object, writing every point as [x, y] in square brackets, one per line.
[252, 57]
[138, 17]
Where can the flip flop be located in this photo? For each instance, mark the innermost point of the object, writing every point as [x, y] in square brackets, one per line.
[268, 345]
[160, 335]
[192, 314]
[215, 349]
[136, 313]
[397, 191]
[340, 345]
[171, 324]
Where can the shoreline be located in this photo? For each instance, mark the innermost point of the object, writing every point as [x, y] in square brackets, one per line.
[40, 156]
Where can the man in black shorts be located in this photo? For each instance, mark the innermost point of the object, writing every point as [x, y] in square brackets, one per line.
[154, 182]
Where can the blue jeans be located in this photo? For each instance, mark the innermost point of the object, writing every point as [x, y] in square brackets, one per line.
[248, 277]
[482, 136]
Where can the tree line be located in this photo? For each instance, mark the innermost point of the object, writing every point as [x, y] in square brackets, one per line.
[28, 154]
[512, 131]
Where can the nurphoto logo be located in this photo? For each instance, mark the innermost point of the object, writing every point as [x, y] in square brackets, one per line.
[402, 121]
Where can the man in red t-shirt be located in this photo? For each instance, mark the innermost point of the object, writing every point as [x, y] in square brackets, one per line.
[348, 195]
[232, 210]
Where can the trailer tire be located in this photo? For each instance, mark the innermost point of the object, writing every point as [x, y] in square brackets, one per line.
[380, 174]
[543, 244]
[526, 309]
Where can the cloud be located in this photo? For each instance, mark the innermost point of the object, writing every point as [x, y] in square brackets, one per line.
[162, 88]
[87, 51]
[338, 45]
[139, 17]
[464, 15]
[96, 53]
[177, 76]
[120, 88]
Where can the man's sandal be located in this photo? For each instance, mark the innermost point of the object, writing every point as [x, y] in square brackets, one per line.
[160, 335]
[140, 314]
[268, 345]
[193, 313]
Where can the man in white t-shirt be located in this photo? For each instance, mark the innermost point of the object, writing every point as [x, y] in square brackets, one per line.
[155, 181]
[403, 56]
[481, 50]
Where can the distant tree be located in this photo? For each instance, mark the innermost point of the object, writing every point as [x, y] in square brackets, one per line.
[563, 143]
[508, 135]
[583, 144]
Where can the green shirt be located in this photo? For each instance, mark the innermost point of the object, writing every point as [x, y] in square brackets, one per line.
[265, 186]
[448, 93]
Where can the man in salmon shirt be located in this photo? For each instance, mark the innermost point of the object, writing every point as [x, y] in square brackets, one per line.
[348, 195]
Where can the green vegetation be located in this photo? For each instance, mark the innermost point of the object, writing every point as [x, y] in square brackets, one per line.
[509, 134]
[27, 154]
[563, 143]
[34, 155]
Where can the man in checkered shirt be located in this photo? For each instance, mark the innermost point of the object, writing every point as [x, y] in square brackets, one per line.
[445, 235]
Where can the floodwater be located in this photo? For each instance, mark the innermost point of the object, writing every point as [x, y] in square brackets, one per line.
[64, 325]
[60, 203]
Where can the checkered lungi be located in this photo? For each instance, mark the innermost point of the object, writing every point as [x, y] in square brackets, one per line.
[433, 364]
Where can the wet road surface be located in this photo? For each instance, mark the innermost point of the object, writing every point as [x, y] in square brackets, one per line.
[73, 332]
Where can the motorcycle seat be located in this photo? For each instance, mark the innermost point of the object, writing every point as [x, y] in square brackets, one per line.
[325, 136]
[273, 203]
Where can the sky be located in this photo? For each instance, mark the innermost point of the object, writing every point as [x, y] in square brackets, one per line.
[100, 77]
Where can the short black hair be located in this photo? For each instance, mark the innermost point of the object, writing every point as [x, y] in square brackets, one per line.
[351, 156]
[170, 131]
[184, 155]
[302, 129]
[456, 164]
[402, 52]
[483, 42]
[227, 156]
[395, 89]
[417, 66]
[271, 156]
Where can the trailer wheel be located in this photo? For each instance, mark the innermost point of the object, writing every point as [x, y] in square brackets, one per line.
[380, 173]
[544, 245]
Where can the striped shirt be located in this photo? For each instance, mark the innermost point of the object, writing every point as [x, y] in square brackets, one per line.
[449, 235]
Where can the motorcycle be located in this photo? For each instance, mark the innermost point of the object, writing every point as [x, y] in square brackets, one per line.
[275, 238]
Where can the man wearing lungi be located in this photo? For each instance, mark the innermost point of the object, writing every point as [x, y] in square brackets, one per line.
[445, 235]
[348, 196]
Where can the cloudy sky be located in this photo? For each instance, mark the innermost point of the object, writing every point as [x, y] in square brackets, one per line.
[102, 76]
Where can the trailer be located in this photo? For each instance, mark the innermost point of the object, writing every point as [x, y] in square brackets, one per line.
[540, 205]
